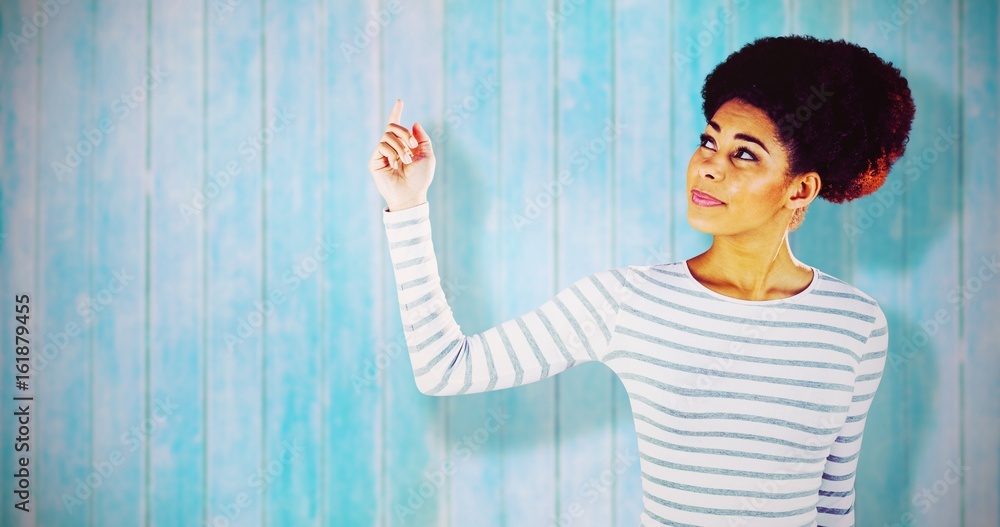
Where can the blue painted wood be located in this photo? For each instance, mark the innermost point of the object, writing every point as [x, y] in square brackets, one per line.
[642, 160]
[64, 426]
[980, 289]
[359, 345]
[818, 19]
[565, 68]
[764, 18]
[469, 163]
[584, 215]
[19, 103]
[529, 185]
[177, 479]
[122, 421]
[932, 237]
[415, 428]
[235, 387]
[294, 250]
[876, 235]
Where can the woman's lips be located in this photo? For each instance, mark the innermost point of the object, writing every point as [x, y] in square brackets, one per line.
[705, 200]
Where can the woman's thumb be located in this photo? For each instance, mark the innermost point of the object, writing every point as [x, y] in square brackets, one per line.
[421, 135]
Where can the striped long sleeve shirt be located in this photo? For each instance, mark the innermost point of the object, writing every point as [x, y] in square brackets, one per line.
[747, 413]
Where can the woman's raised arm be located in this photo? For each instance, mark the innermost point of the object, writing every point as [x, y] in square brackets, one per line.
[574, 326]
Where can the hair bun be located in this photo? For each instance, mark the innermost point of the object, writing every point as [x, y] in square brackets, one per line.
[852, 137]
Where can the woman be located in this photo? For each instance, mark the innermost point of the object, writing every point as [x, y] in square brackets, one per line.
[749, 373]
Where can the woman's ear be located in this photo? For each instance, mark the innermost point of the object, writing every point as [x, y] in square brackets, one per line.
[804, 189]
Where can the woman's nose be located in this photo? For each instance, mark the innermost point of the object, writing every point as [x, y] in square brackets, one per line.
[709, 169]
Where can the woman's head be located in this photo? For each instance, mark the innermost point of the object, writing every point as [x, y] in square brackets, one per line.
[831, 117]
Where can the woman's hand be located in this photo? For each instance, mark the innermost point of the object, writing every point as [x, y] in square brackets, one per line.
[403, 163]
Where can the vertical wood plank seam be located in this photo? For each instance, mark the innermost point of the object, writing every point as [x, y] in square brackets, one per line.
[499, 270]
[206, 364]
[671, 65]
[321, 276]
[904, 289]
[443, 417]
[667, 167]
[554, 6]
[960, 208]
[89, 233]
[613, 184]
[145, 506]
[262, 346]
[383, 490]
[38, 200]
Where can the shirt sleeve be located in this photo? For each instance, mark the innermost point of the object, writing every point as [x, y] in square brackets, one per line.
[835, 507]
[573, 327]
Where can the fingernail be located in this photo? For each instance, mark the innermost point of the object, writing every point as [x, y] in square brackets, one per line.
[413, 142]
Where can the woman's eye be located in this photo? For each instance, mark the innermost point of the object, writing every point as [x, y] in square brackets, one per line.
[741, 150]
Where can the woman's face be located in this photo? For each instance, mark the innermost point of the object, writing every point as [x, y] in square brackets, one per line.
[740, 163]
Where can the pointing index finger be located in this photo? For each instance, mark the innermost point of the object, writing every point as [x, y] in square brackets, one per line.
[397, 112]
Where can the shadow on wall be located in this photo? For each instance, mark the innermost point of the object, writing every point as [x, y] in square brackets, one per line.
[905, 232]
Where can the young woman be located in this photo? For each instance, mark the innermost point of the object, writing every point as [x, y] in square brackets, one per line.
[749, 373]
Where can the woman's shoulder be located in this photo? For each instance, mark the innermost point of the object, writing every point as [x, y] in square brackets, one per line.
[841, 293]
[657, 276]
[626, 279]
[830, 285]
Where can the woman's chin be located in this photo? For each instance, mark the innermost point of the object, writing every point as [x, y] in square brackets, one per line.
[702, 224]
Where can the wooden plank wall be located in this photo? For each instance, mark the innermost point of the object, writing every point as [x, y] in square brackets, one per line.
[184, 195]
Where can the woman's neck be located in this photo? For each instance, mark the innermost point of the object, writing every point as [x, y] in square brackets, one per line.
[751, 268]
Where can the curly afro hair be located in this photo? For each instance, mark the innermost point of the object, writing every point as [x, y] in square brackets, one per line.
[839, 109]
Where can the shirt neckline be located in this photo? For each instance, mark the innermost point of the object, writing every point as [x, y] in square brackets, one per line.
[797, 296]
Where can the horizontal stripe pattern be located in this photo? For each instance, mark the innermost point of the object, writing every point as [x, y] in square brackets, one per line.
[747, 413]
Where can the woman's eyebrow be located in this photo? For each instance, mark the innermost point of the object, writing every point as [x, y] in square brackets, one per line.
[742, 136]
